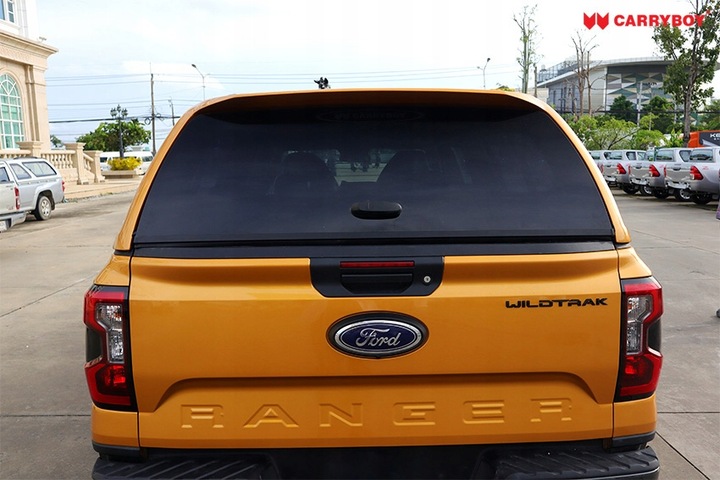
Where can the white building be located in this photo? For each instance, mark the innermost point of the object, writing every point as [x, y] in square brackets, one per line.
[23, 62]
[638, 79]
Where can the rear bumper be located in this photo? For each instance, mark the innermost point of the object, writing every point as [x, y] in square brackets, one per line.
[704, 186]
[559, 461]
[11, 219]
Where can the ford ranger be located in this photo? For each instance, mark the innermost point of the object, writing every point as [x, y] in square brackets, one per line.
[373, 284]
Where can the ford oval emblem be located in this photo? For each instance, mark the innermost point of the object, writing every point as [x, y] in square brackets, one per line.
[377, 334]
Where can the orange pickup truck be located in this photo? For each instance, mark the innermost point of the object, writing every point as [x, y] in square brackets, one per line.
[466, 305]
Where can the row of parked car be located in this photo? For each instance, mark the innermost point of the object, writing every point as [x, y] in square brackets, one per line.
[28, 186]
[686, 173]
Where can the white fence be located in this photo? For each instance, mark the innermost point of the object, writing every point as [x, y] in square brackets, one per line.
[73, 163]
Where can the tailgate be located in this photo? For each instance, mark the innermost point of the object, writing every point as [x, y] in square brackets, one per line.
[236, 353]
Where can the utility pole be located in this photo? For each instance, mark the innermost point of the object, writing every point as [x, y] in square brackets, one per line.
[152, 110]
[172, 110]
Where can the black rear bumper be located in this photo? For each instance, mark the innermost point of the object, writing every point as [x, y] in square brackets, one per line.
[557, 461]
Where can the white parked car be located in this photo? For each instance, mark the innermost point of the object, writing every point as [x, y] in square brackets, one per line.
[10, 213]
[40, 186]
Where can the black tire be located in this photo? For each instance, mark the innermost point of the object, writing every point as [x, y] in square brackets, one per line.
[682, 195]
[701, 198]
[646, 191]
[661, 193]
[44, 207]
[630, 189]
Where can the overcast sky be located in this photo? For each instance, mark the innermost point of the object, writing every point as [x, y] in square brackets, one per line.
[108, 49]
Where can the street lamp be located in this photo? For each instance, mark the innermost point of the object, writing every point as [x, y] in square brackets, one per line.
[119, 114]
[483, 70]
[203, 78]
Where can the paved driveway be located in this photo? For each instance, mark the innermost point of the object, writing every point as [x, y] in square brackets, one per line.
[45, 268]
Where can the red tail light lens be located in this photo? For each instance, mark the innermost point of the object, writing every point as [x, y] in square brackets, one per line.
[641, 360]
[654, 171]
[107, 367]
[695, 173]
[17, 198]
[621, 169]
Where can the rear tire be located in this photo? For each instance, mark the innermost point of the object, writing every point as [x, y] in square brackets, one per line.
[701, 198]
[630, 189]
[43, 209]
[646, 191]
[661, 193]
[682, 195]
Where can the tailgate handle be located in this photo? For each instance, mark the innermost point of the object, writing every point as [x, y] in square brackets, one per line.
[369, 210]
[334, 277]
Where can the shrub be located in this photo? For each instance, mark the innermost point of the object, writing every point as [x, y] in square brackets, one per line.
[126, 163]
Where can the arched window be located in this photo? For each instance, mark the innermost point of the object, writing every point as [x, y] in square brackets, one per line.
[11, 121]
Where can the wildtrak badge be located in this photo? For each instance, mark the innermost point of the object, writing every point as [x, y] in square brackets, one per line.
[564, 302]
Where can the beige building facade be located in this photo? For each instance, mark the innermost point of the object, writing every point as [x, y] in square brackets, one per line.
[23, 62]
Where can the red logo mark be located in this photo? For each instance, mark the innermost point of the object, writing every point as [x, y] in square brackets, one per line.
[596, 19]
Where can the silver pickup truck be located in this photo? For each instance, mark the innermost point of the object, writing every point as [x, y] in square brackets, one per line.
[649, 174]
[704, 173]
[41, 186]
[10, 213]
[699, 175]
[615, 168]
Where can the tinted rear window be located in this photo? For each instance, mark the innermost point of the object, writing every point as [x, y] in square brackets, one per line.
[299, 176]
[702, 155]
[40, 169]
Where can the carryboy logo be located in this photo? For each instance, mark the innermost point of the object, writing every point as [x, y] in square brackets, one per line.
[642, 20]
[596, 19]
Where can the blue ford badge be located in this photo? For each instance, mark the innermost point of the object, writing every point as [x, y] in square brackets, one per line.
[377, 334]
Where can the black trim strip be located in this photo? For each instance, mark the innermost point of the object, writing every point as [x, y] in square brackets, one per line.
[211, 251]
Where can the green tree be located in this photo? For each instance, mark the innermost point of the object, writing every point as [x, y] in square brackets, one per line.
[106, 136]
[710, 120]
[55, 142]
[585, 127]
[604, 132]
[96, 140]
[694, 52]
[528, 36]
[133, 133]
[646, 136]
[660, 108]
[623, 109]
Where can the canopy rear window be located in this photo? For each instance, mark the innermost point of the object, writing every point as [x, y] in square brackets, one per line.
[359, 175]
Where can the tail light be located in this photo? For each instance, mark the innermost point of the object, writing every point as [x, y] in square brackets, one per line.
[664, 171]
[641, 360]
[63, 185]
[654, 171]
[17, 198]
[107, 367]
[621, 169]
[695, 173]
